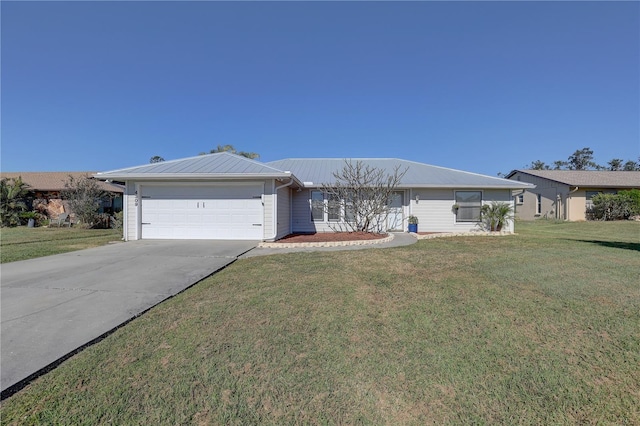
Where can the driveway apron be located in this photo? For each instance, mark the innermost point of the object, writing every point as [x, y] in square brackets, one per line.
[54, 305]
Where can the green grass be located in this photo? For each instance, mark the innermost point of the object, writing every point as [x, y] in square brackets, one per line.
[538, 328]
[23, 243]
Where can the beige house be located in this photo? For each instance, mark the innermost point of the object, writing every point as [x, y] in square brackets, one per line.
[566, 194]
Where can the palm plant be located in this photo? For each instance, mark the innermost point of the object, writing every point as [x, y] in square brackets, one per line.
[496, 215]
[13, 193]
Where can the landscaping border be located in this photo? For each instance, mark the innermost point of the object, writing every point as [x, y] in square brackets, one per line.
[327, 243]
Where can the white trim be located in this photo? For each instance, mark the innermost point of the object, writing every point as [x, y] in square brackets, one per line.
[455, 215]
[138, 206]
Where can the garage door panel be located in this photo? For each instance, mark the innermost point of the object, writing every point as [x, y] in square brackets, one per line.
[202, 212]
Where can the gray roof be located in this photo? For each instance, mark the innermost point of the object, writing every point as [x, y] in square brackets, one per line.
[314, 172]
[307, 172]
[221, 165]
[587, 178]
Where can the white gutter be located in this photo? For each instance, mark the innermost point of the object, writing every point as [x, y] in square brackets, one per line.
[275, 209]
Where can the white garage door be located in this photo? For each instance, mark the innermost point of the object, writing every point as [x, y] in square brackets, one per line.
[230, 212]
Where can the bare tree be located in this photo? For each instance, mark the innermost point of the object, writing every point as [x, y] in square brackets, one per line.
[360, 196]
[84, 195]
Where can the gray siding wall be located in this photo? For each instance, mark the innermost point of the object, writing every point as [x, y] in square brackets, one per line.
[284, 212]
[434, 209]
[130, 210]
[268, 205]
[301, 214]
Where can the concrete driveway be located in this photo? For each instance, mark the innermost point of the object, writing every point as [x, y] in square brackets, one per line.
[53, 305]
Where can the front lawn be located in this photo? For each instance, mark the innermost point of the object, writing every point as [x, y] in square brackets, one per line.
[538, 328]
[21, 243]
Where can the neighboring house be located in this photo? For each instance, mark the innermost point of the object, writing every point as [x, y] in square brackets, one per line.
[45, 189]
[566, 194]
[225, 196]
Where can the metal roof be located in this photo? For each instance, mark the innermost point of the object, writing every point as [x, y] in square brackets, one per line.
[307, 172]
[222, 165]
[314, 172]
[587, 178]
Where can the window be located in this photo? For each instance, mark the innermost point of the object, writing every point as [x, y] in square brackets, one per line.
[520, 199]
[538, 203]
[317, 206]
[469, 203]
[333, 208]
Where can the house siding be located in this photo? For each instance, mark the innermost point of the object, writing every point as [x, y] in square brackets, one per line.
[434, 209]
[301, 214]
[268, 205]
[284, 212]
[554, 197]
[131, 213]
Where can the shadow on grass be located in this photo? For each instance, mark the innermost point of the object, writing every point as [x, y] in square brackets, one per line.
[613, 244]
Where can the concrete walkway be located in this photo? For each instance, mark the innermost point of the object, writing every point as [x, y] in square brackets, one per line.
[399, 239]
[54, 305]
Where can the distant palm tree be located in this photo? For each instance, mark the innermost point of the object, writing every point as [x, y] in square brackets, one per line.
[13, 194]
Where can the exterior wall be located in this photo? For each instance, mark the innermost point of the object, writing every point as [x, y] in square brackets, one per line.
[434, 209]
[130, 214]
[268, 201]
[301, 215]
[554, 197]
[284, 212]
[301, 221]
[577, 205]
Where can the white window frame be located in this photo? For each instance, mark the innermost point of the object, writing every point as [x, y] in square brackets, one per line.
[455, 196]
[538, 204]
[311, 201]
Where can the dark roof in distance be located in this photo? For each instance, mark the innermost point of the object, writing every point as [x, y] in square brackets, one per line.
[587, 178]
[54, 181]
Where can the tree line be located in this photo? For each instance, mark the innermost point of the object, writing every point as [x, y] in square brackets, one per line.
[221, 148]
[582, 159]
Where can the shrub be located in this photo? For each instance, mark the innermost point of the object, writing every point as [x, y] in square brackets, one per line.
[496, 215]
[13, 201]
[117, 220]
[84, 196]
[618, 206]
[36, 216]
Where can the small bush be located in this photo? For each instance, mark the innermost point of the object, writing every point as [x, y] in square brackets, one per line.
[117, 220]
[84, 196]
[620, 206]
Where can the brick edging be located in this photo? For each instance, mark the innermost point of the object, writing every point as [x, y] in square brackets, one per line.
[327, 243]
[462, 234]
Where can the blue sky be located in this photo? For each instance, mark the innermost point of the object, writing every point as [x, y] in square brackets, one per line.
[479, 86]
